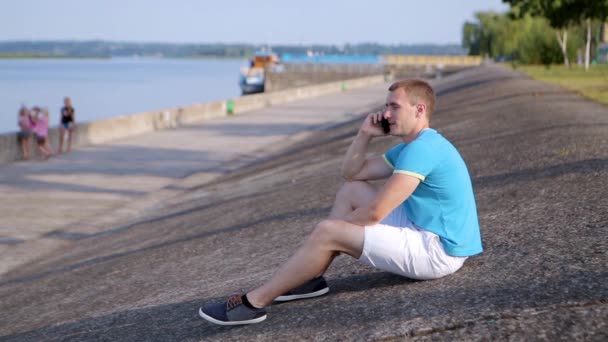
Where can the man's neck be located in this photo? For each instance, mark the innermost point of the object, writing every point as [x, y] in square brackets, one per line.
[411, 137]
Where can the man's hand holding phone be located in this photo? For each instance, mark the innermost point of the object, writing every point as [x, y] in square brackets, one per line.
[376, 125]
[386, 127]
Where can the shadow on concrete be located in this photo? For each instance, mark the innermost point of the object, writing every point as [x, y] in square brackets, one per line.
[70, 236]
[512, 135]
[453, 88]
[185, 238]
[129, 160]
[307, 107]
[180, 321]
[28, 184]
[282, 127]
[124, 152]
[553, 96]
[251, 130]
[109, 161]
[583, 166]
[358, 303]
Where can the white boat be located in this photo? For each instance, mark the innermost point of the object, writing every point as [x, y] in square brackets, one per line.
[252, 78]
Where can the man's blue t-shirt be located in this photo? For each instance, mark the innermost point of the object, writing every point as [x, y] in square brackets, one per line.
[443, 202]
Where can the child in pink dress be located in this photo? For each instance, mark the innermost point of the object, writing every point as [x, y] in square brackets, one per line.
[41, 131]
[25, 131]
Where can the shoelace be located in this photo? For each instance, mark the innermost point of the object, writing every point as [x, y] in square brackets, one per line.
[234, 302]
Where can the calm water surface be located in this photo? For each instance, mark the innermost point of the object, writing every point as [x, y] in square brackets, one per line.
[111, 87]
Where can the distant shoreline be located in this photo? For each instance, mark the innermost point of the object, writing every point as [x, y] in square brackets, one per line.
[33, 56]
[107, 49]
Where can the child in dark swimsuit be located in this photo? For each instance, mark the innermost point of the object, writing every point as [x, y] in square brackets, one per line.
[68, 124]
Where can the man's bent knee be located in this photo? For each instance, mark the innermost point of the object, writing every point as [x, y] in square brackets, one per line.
[338, 236]
[322, 234]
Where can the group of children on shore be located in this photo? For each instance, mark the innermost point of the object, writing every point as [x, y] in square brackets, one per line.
[35, 123]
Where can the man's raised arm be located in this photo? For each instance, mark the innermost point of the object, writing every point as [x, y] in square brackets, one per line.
[356, 165]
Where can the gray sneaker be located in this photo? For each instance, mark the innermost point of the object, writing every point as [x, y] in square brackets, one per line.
[314, 288]
[233, 312]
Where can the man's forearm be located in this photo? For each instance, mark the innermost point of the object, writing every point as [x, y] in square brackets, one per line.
[362, 217]
[355, 156]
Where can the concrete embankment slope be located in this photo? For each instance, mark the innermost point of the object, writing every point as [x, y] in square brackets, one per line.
[77, 195]
[538, 159]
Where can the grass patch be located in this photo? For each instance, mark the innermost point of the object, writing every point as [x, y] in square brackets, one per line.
[592, 83]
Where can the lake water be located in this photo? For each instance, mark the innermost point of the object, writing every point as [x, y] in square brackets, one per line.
[110, 87]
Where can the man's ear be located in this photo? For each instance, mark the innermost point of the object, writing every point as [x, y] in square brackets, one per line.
[420, 109]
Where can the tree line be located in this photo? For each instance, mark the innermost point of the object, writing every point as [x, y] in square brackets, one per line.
[538, 31]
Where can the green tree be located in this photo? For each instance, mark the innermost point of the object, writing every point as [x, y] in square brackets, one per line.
[471, 38]
[561, 14]
[491, 34]
[527, 39]
[535, 44]
[589, 10]
[553, 10]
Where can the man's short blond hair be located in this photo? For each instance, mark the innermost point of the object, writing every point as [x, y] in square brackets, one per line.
[418, 91]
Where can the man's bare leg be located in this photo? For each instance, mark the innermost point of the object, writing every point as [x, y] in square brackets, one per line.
[352, 195]
[314, 256]
[328, 240]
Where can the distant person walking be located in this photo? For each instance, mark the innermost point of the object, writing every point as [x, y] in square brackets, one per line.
[25, 131]
[41, 130]
[67, 124]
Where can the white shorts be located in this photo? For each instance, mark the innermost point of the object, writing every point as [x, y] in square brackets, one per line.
[398, 246]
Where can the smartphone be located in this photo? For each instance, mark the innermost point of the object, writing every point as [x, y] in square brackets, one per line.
[385, 125]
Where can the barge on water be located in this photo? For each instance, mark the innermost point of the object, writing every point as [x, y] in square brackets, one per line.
[251, 79]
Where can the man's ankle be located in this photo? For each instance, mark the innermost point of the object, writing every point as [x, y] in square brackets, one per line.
[247, 302]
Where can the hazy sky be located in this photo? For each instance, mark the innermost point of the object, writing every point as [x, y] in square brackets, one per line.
[242, 21]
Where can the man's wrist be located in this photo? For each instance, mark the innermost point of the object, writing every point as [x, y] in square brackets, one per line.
[364, 135]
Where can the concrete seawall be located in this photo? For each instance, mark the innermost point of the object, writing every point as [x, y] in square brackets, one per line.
[301, 75]
[105, 130]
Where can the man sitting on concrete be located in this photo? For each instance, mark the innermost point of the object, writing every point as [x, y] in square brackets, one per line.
[421, 224]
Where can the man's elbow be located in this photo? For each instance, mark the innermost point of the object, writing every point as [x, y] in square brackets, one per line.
[375, 217]
[348, 176]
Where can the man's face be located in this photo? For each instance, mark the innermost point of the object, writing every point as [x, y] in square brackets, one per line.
[400, 113]
[66, 102]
